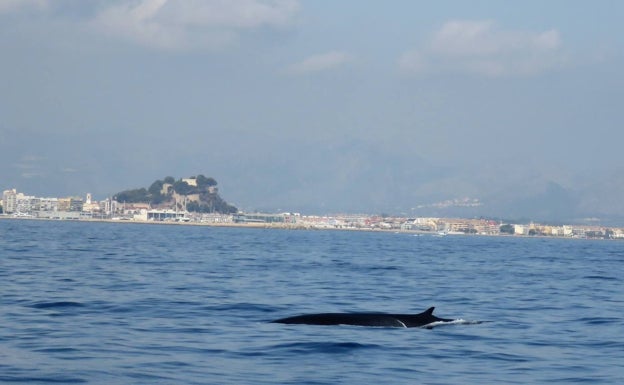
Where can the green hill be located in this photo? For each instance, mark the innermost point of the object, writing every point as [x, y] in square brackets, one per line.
[196, 194]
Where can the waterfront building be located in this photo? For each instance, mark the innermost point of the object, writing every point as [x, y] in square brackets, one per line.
[9, 201]
[61, 215]
[91, 206]
[70, 204]
[161, 215]
[25, 204]
[108, 206]
[215, 218]
[263, 218]
[48, 204]
[424, 224]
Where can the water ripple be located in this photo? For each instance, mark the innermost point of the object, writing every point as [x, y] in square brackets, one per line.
[123, 303]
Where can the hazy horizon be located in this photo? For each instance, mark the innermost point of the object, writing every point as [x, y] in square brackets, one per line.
[320, 107]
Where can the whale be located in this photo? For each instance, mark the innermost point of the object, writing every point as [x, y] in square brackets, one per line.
[425, 319]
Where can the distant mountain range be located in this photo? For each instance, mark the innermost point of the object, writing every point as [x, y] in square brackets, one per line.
[358, 178]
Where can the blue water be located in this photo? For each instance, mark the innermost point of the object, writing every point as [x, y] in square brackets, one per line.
[116, 303]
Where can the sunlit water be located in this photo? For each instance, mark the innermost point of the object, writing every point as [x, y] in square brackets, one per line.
[105, 303]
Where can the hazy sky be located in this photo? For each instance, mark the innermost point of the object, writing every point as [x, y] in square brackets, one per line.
[318, 106]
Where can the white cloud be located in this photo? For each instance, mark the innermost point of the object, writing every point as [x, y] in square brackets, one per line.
[7, 6]
[30, 175]
[234, 14]
[321, 62]
[188, 24]
[28, 162]
[480, 47]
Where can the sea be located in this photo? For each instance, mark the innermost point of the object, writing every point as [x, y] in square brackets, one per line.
[125, 303]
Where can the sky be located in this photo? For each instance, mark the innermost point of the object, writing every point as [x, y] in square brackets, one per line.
[404, 107]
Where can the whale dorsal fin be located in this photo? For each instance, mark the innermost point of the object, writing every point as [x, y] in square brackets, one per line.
[429, 311]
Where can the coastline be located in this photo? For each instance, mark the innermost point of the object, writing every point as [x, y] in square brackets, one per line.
[298, 226]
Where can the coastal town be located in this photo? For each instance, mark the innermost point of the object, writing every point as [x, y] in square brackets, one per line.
[17, 205]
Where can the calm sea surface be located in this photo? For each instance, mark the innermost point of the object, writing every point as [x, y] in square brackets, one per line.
[106, 303]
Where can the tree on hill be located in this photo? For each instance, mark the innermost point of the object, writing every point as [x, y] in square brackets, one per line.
[203, 182]
[183, 188]
[140, 195]
[156, 196]
[156, 187]
[209, 199]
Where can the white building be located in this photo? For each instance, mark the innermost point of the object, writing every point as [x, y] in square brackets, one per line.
[9, 201]
[521, 230]
[48, 204]
[190, 181]
[26, 204]
[20, 204]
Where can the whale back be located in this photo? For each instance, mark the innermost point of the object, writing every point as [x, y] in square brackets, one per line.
[365, 319]
[421, 319]
[361, 319]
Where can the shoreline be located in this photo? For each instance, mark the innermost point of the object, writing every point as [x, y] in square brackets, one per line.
[301, 226]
